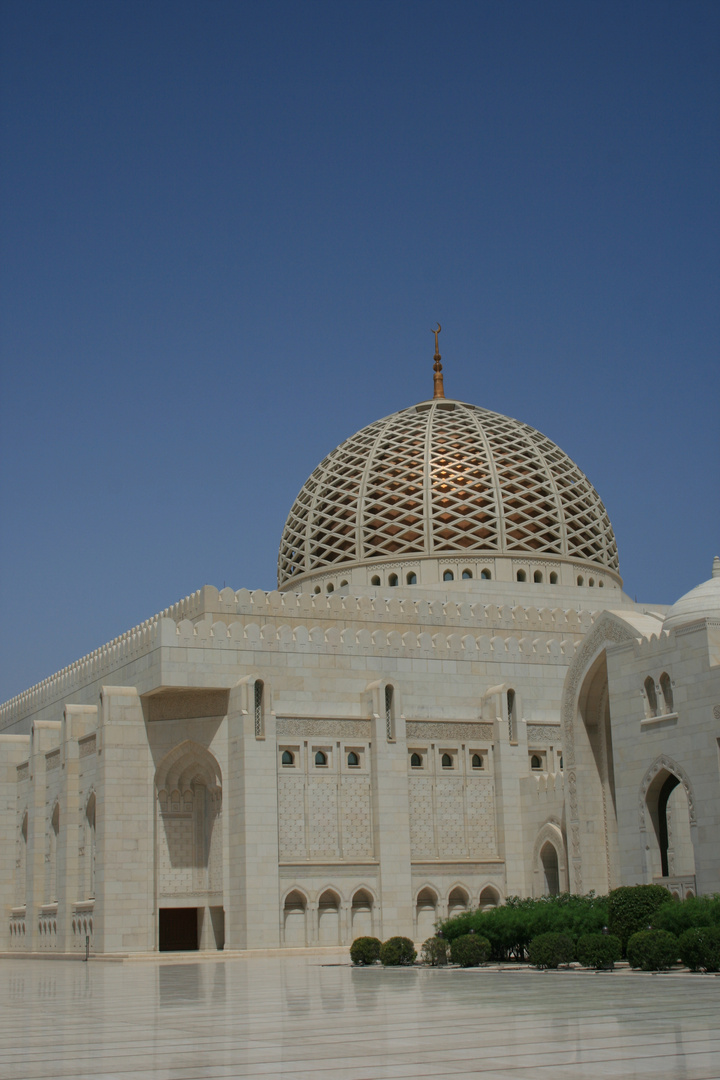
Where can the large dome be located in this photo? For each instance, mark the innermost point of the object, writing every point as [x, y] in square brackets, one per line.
[445, 479]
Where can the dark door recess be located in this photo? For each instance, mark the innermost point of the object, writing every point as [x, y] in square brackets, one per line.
[178, 929]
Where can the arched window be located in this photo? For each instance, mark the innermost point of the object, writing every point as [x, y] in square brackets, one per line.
[466, 574]
[666, 687]
[537, 577]
[489, 898]
[415, 761]
[553, 578]
[601, 584]
[393, 580]
[287, 758]
[353, 760]
[510, 697]
[317, 590]
[485, 575]
[375, 580]
[536, 762]
[448, 576]
[477, 761]
[343, 583]
[580, 580]
[446, 761]
[330, 587]
[521, 576]
[258, 703]
[412, 578]
[591, 582]
[651, 695]
[389, 712]
[320, 758]
[90, 846]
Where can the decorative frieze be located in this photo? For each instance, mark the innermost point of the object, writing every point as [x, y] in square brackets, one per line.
[448, 730]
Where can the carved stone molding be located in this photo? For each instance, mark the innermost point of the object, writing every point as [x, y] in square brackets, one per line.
[430, 729]
[341, 728]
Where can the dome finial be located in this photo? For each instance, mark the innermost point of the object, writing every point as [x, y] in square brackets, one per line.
[438, 390]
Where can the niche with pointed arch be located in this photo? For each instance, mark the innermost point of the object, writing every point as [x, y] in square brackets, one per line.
[189, 856]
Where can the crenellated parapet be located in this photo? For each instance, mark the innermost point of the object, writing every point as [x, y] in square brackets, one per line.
[224, 619]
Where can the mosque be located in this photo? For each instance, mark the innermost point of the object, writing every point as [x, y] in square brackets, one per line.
[448, 700]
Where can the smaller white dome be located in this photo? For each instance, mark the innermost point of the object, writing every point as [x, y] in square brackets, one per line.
[702, 602]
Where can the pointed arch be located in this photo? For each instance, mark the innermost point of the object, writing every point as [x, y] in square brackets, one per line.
[549, 861]
[666, 797]
[188, 762]
[578, 750]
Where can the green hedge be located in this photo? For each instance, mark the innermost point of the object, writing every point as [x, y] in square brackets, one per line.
[699, 948]
[365, 950]
[510, 928]
[599, 951]
[681, 915]
[397, 952]
[470, 950]
[633, 908]
[653, 950]
[551, 950]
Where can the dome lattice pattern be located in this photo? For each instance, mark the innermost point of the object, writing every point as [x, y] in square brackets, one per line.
[441, 478]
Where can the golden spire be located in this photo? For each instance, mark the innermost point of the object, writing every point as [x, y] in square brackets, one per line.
[438, 390]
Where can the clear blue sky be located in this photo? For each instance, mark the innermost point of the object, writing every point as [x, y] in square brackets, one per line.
[228, 228]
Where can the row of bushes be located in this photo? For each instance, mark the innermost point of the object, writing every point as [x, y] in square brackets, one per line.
[651, 950]
[626, 911]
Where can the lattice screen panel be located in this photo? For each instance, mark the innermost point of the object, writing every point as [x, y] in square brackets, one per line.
[442, 478]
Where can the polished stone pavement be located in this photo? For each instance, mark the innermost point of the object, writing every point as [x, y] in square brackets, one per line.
[298, 1017]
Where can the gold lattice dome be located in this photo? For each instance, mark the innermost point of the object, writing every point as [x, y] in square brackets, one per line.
[444, 479]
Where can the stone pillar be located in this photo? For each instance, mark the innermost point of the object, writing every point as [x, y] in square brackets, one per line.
[510, 763]
[391, 820]
[125, 915]
[44, 737]
[253, 886]
[14, 749]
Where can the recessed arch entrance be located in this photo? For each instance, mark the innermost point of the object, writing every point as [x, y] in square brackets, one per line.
[667, 825]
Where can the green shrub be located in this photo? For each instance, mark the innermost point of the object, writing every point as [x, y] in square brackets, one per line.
[682, 915]
[652, 950]
[397, 951]
[699, 948]
[551, 950]
[632, 908]
[470, 950]
[510, 928]
[599, 951]
[365, 950]
[434, 951]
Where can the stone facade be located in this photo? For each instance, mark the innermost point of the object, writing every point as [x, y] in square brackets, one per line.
[268, 770]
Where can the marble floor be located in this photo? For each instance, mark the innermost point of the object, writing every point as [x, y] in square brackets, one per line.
[301, 1018]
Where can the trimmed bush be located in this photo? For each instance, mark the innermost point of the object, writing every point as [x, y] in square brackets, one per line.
[551, 950]
[699, 948]
[365, 950]
[631, 909]
[599, 951]
[652, 950]
[397, 952]
[470, 950]
[434, 951]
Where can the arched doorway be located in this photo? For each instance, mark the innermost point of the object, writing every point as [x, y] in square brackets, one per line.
[329, 919]
[362, 914]
[666, 800]
[189, 849]
[294, 924]
[551, 869]
[489, 898]
[425, 914]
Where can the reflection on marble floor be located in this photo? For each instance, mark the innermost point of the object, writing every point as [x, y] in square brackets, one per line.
[295, 1018]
